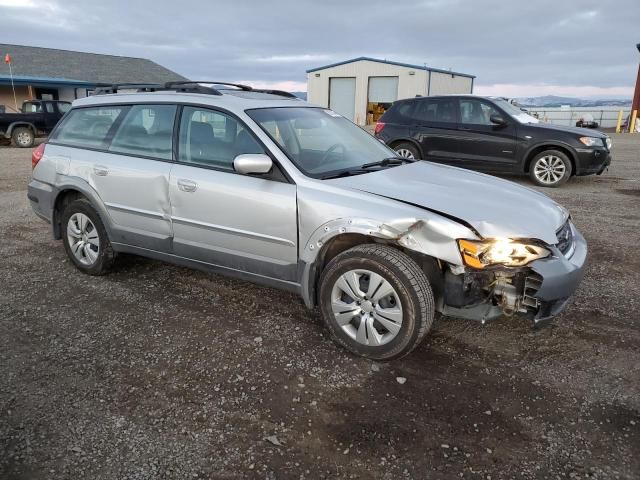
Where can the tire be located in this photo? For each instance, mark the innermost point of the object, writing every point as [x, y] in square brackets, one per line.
[22, 137]
[407, 150]
[551, 168]
[357, 326]
[102, 257]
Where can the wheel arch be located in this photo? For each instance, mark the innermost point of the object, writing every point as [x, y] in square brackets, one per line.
[19, 124]
[398, 141]
[537, 149]
[323, 246]
[73, 190]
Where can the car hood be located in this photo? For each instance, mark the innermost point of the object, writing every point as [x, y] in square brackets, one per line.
[492, 206]
[583, 132]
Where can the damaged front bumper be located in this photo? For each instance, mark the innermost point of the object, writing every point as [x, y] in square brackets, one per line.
[539, 291]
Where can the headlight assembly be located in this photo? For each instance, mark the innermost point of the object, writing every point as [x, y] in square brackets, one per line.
[507, 252]
[592, 141]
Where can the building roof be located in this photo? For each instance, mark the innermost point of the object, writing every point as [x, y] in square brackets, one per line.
[50, 65]
[389, 62]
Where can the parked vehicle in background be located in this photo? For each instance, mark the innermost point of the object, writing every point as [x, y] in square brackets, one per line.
[491, 135]
[587, 121]
[265, 187]
[37, 118]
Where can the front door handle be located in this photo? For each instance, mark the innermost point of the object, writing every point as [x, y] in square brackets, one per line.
[187, 185]
[101, 170]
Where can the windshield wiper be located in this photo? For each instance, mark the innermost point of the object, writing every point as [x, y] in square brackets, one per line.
[387, 162]
[346, 173]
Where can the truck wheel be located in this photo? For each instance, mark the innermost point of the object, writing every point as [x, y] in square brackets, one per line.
[550, 168]
[85, 238]
[376, 301]
[22, 137]
[407, 150]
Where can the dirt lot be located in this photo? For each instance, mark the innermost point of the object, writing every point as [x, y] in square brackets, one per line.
[157, 371]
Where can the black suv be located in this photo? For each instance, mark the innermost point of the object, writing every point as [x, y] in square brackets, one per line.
[491, 135]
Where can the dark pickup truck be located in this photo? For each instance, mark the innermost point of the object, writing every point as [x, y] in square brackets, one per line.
[37, 119]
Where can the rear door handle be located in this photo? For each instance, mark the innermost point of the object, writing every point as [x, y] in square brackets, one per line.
[101, 170]
[187, 185]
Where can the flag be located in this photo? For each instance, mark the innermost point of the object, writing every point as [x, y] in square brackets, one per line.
[7, 59]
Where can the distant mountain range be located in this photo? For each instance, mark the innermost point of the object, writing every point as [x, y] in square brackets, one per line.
[302, 95]
[555, 101]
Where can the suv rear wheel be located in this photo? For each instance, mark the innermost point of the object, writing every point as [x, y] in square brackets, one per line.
[376, 301]
[407, 150]
[550, 168]
[85, 238]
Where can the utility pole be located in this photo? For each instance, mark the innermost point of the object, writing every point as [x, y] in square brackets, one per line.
[635, 105]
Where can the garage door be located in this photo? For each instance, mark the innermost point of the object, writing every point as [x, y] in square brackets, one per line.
[342, 96]
[383, 89]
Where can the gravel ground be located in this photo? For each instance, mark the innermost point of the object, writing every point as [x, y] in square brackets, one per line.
[156, 371]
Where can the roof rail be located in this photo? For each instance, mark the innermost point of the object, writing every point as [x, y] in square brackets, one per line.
[246, 88]
[281, 93]
[106, 88]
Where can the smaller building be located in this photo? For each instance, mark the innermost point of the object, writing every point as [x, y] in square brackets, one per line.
[363, 88]
[52, 74]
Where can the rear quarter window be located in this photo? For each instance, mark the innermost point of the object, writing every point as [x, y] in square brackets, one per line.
[87, 127]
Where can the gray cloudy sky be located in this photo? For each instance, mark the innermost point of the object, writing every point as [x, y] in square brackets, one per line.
[515, 47]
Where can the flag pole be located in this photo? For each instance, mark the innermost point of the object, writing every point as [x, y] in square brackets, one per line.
[13, 87]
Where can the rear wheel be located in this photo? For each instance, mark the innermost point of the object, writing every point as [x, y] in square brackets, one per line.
[85, 238]
[407, 150]
[550, 168]
[22, 137]
[376, 301]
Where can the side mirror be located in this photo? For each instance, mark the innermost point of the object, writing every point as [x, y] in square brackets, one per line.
[497, 119]
[256, 163]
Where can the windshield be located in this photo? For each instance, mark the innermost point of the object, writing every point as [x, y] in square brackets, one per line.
[515, 112]
[318, 141]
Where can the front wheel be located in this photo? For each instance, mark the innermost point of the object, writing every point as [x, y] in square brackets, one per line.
[550, 168]
[376, 301]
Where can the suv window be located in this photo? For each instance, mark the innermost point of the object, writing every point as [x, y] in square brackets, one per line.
[401, 112]
[436, 111]
[87, 127]
[476, 112]
[146, 130]
[213, 138]
[49, 107]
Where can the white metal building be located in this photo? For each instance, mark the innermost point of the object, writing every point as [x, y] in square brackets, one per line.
[361, 89]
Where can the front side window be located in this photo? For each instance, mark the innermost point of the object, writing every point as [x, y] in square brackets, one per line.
[436, 111]
[87, 127]
[318, 141]
[49, 107]
[146, 130]
[476, 112]
[213, 138]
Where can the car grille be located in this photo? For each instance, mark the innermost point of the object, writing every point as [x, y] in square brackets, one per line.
[565, 238]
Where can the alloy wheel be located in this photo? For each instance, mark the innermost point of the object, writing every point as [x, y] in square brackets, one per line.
[405, 153]
[549, 169]
[83, 239]
[366, 307]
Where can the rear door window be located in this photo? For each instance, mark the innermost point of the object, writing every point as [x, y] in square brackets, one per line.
[146, 130]
[436, 111]
[87, 127]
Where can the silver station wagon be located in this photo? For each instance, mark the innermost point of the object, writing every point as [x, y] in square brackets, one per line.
[263, 186]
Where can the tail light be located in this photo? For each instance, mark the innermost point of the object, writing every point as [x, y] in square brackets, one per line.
[37, 155]
[379, 127]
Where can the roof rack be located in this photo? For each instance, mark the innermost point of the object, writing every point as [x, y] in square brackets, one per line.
[191, 86]
[107, 88]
